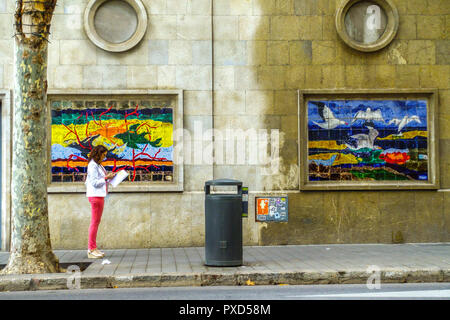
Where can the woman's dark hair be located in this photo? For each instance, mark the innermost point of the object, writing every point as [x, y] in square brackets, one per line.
[96, 154]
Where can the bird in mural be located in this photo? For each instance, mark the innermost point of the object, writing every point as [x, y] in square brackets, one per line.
[330, 121]
[405, 121]
[364, 140]
[368, 115]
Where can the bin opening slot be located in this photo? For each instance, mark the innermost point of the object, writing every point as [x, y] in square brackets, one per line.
[224, 190]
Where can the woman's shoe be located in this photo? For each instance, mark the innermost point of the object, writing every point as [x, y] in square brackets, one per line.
[94, 254]
[100, 252]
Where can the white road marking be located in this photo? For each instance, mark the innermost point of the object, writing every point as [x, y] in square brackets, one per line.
[395, 294]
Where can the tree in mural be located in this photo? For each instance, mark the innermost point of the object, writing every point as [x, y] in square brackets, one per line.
[31, 250]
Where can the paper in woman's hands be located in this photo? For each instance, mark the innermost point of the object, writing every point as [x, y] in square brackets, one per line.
[120, 176]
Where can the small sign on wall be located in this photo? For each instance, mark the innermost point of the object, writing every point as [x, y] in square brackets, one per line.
[273, 209]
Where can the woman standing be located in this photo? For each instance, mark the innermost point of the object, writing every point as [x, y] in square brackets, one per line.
[97, 189]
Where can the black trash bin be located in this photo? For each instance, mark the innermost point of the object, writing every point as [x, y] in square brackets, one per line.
[223, 225]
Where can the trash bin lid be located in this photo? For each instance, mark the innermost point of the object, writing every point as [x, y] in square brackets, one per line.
[223, 182]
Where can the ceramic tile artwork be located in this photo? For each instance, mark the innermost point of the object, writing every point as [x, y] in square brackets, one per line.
[138, 135]
[367, 140]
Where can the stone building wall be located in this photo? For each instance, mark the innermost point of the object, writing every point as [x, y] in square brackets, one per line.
[240, 68]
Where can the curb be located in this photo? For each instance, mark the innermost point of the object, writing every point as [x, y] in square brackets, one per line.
[60, 281]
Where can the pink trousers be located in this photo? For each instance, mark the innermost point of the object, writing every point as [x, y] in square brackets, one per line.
[97, 204]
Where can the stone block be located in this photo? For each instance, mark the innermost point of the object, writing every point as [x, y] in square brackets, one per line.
[195, 177]
[385, 76]
[430, 218]
[396, 53]
[333, 76]
[135, 56]
[278, 53]
[175, 208]
[434, 76]
[245, 77]
[272, 77]
[158, 52]
[398, 219]
[438, 7]
[301, 52]
[6, 51]
[444, 163]
[178, 7]
[240, 8]
[416, 7]
[256, 52]
[229, 102]
[230, 53]
[142, 77]
[254, 28]
[53, 53]
[2, 6]
[77, 52]
[407, 76]
[286, 103]
[285, 27]
[156, 7]
[6, 26]
[348, 56]
[259, 102]
[295, 77]
[323, 52]
[74, 6]
[114, 77]
[67, 77]
[197, 103]
[201, 52]
[443, 52]
[313, 76]
[68, 27]
[180, 52]
[421, 52]
[226, 28]
[224, 78]
[305, 7]
[194, 77]
[329, 28]
[194, 27]
[1, 76]
[200, 7]
[444, 123]
[430, 27]
[407, 28]
[166, 77]
[264, 7]
[446, 233]
[310, 27]
[162, 27]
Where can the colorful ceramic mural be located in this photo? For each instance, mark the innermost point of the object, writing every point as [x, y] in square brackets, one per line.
[138, 135]
[367, 140]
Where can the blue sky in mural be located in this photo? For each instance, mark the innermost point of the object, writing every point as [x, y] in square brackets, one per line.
[390, 109]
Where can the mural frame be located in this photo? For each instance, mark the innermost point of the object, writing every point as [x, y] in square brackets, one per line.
[430, 95]
[177, 184]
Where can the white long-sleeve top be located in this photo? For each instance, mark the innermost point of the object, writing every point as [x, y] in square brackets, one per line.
[95, 180]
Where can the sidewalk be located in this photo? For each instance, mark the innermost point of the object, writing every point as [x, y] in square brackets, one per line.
[307, 264]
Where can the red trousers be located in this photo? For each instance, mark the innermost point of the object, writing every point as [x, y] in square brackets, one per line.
[97, 204]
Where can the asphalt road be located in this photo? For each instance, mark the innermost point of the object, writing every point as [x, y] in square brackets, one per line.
[434, 291]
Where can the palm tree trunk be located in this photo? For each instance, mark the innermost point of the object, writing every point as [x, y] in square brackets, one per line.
[31, 250]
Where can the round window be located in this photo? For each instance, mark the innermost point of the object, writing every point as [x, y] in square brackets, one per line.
[367, 25]
[115, 25]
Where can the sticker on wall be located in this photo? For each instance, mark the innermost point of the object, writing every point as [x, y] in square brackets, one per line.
[273, 209]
